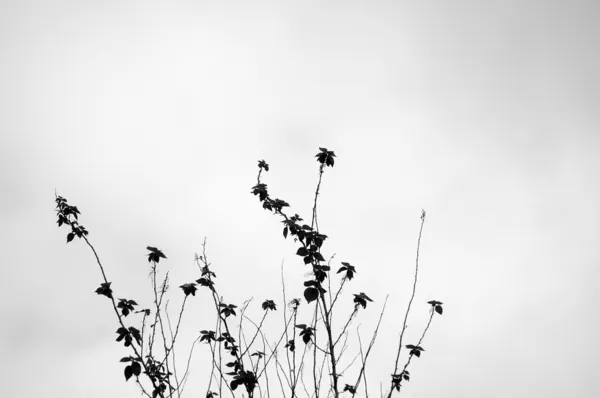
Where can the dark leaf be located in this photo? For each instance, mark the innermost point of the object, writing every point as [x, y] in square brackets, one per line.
[137, 368]
[269, 305]
[136, 334]
[439, 309]
[105, 290]
[70, 237]
[128, 372]
[155, 255]
[263, 165]
[350, 270]
[302, 251]
[206, 282]
[350, 389]
[306, 335]
[291, 345]
[361, 299]
[189, 288]
[311, 294]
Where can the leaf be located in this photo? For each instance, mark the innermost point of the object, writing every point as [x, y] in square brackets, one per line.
[189, 288]
[311, 294]
[350, 389]
[136, 334]
[105, 289]
[350, 270]
[439, 309]
[205, 282]
[269, 305]
[137, 368]
[263, 165]
[307, 335]
[128, 372]
[70, 237]
[291, 344]
[302, 251]
[285, 232]
[361, 299]
[125, 359]
[155, 255]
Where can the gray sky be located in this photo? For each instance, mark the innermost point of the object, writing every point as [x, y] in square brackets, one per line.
[150, 117]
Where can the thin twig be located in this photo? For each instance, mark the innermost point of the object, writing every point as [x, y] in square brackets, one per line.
[411, 299]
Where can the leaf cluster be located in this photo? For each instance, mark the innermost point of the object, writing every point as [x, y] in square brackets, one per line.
[69, 215]
[129, 335]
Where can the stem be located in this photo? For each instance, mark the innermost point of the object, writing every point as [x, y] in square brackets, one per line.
[314, 221]
[411, 299]
[421, 339]
[114, 304]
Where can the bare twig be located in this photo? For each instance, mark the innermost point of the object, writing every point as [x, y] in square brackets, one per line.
[411, 299]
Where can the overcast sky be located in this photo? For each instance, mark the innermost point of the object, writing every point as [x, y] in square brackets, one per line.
[150, 117]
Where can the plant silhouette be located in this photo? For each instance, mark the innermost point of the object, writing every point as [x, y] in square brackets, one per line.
[302, 350]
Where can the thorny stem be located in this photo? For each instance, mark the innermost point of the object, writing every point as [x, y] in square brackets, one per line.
[371, 344]
[187, 368]
[273, 351]
[411, 299]
[222, 317]
[346, 325]
[285, 322]
[160, 320]
[114, 304]
[255, 334]
[326, 320]
[173, 338]
[316, 386]
[420, 340]
[314, 221]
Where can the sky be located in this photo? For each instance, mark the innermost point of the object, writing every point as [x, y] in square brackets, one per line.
[150, 116]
